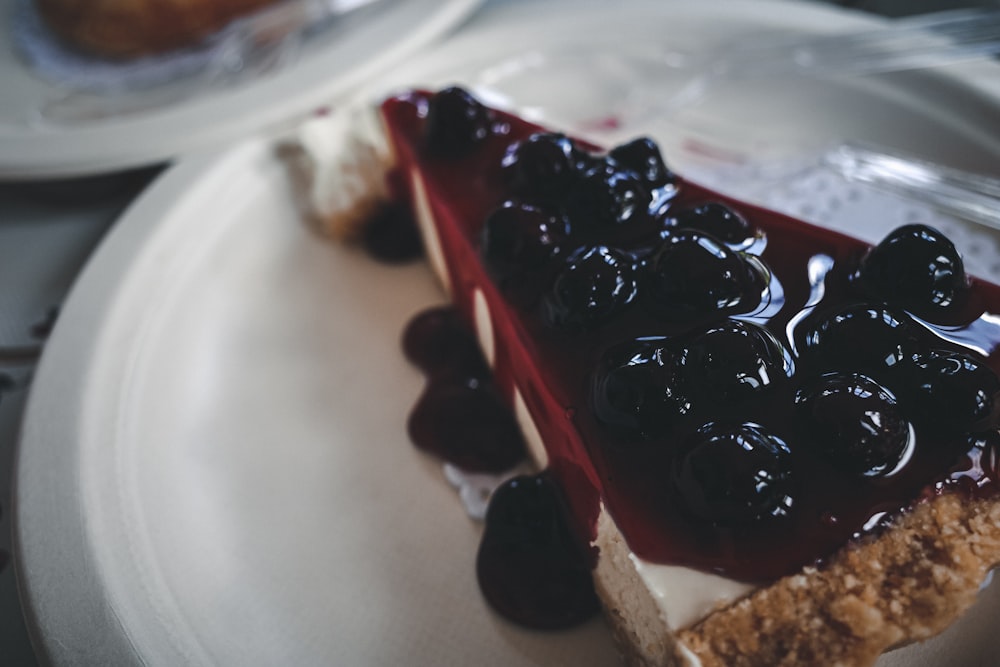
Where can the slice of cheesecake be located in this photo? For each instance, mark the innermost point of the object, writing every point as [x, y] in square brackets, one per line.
[781, 442]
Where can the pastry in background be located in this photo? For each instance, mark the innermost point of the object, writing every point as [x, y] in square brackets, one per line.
[123, 29]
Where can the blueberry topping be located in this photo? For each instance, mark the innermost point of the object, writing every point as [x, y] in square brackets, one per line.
[642, 156]
[858, 337]
[749, 393]
[456, 123]
[606, 197]
[468, 425]
[392, 235]
[529, 566]
[693, 275]
[733, 474]
[440, 343]
[954, 391]
[716, 219]
[733, 361]
[916, 267]
[855, 422]
[544, 164]
[594, 284]
[519, 237]
[636, 390]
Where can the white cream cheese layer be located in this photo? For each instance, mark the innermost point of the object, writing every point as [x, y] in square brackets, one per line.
[685, 596]
[484, 327]
[340, 161]
[536, 446]
[428, 232]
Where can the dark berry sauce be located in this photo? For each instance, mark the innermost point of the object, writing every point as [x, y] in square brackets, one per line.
[461, 416]
[391, 235]
[745, 393]
[530, 567]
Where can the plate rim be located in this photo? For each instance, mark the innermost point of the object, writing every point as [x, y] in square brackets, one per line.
[59, 387]
[51, 486]
[67, 151]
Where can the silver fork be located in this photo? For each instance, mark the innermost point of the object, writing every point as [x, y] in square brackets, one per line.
[962, 194]
[930, 40]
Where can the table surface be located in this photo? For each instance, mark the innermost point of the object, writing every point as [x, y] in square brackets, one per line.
[47, 232]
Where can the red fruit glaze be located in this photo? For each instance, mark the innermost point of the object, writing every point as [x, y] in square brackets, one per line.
[553, 369]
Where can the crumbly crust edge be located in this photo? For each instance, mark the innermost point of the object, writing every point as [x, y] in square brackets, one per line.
[906, 585]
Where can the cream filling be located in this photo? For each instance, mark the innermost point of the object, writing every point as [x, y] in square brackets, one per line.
[685, 596]
[536, 446]
[428, 232]
[339, 161]
[484, 326]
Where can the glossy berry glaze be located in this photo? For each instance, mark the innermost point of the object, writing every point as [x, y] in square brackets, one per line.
[744, 392]
[461, 416]
[391, 237]
[530, 566]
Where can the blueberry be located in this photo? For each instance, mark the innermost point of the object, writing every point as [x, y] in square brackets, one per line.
[392, 236]
[439, 342]
[468, 425]
[732, 361]
[543, 165]
[733, 474]
[594, 284]
[642, 156]
[606, 197]
[636, 391]
[456, 123]
[693, 275]
[716, 219]
[855, 422]
[916, 267]
[871, 338]
[519, 237]
[953, 391]
[529, 566]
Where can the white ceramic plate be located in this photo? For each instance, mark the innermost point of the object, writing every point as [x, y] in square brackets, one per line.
[214, 467]
[37, 144]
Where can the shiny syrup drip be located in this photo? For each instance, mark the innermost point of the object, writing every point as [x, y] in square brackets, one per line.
[555, 371]
[461, 416]
[391, 235]
[530, 567]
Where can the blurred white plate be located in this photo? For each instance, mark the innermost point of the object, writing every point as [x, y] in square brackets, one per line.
[214, 467]
[35, 143]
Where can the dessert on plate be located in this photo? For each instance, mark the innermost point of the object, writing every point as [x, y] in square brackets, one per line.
[772, 444]
[133, 28]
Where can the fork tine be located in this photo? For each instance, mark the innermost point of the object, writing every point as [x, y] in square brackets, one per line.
[910, 43]
[904, 44]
